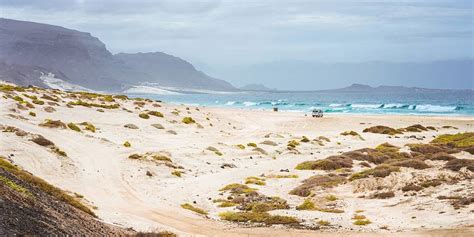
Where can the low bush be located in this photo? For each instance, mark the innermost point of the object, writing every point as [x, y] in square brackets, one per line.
[362, 222]
[382, 130]
[193, 208]
[269, 143]
[188, 120]
[383, 195]
[242, 147]
[458, 164]
[127, 144]
[156, 114]
[88, 126]
[251, 144]
[38, 102]
[379, 171]
[53, 124]
[158, 126]
[32, 114]
[255, 180]
[144, 116]
[330, 163]
[258, 217]
[350, 133]
[236, 188]
[459, 140]
[86, 104]
[306, 205]
[322, 181]
[74, 127]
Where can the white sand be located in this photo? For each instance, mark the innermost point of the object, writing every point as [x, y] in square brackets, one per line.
[98, 167]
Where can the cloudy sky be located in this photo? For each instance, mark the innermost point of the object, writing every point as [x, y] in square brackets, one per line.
[217, 34]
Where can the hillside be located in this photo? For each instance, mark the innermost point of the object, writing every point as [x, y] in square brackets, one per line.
[80, 58]
[26, 207]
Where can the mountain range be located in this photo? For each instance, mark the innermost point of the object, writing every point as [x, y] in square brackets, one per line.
[29, 50]
[37, 54]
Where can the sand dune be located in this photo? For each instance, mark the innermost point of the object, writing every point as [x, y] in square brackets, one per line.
[190, 163]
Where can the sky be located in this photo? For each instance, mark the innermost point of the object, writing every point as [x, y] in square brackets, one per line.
[220, 35]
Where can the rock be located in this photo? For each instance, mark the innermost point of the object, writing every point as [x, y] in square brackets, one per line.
[284, 170]
[131, 126]
[172, 132]
[158, 126]
[228, 165]
[148, 173]
[49, 109]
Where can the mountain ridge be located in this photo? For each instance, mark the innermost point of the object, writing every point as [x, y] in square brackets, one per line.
[84, 60]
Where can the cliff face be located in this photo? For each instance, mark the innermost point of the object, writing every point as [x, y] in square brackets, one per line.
[84, 60]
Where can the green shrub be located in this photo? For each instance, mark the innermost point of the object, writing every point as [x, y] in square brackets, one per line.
[330, 163]
[188, 120]
[227, 204]
[176, 173]
[255, 180]
[193, 208]
[86, 104]
[257, 217]
[382, 130]
[88, 126]
[32, 114]
[459, 140]
[38, 102]
[240, 146]
[156, 113]
[53, 124]
[323, 223]
[362, 222]
[127, 144]
[378, 171]
[18, 98]
[306, 205]
[18, 188]
[236, 188]
[350, 133]
[74, 127]
[251, 144]
[9, 88]
[144, 116]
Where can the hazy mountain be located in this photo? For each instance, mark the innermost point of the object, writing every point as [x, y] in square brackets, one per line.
[169, 71]
[361, 88]
[255, 87]
[303, 75]
[83, 59]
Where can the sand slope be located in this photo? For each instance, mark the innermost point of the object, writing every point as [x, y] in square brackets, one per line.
[145, 195]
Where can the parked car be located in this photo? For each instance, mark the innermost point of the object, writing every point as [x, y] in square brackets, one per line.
[317, 113]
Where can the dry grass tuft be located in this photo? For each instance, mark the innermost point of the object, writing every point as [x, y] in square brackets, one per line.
[73, 127]
[321, 181]
[193, 208]
[53, 124]
[382, 130]
[258, 217]
[188, 120]
[330, 163]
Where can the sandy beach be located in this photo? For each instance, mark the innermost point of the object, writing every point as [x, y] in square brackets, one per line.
[137, 168]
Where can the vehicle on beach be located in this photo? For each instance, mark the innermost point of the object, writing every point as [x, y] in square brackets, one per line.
[317, 113]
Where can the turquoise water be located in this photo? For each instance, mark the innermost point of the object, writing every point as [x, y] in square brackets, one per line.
[429, 103]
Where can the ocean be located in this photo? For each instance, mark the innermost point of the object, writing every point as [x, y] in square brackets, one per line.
[455, 103]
